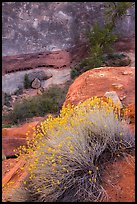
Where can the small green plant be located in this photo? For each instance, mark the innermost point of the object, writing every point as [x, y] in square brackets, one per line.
[116, 59]
[74, 73]
[7, 99]
[27, 83]
[49, 102]
[102, 38]
[19, 91]
[79, 68]
[115, 11]
[6, 126]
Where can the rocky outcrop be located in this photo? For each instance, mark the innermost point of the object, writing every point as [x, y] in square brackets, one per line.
[97, 82]
[116, 82]
[56, 60]
[10, 144]
[3, 98]
[40, 74]
[60, 77]
[30, 27]
[67, 59]
[13, 178]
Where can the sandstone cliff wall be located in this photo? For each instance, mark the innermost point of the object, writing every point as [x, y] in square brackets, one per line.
[32, 27]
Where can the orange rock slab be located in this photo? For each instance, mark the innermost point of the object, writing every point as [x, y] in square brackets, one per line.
[96, 82]
[12, 138]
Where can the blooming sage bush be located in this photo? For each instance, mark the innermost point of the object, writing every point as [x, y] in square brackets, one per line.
[68, 153]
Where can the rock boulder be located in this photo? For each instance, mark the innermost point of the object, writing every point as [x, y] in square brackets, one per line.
[40, 74]
[114, 97]
[97, 82]
[36, 84]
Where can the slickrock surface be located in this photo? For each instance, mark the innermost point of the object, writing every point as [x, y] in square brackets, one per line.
[97, 82]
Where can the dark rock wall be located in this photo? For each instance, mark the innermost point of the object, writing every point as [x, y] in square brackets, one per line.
[31, 27]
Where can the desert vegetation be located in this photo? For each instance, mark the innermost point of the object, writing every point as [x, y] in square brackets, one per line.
[68, 153]
[50, 101]
[65, 159]
[102, 38]
[27, 82]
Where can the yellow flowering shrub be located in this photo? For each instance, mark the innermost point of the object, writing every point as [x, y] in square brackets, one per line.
[68, 153]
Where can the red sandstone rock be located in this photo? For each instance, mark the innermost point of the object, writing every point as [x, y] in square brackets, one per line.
[119, 180]
[12, 138]
[11, 179]
[97, 82]
[56, 59]
[10, 144]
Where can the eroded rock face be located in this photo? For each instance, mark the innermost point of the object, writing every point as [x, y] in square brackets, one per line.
[55, 59]
[30, 27]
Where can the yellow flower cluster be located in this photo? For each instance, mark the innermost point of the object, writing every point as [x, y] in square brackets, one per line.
[63, 150]
[53, 140]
